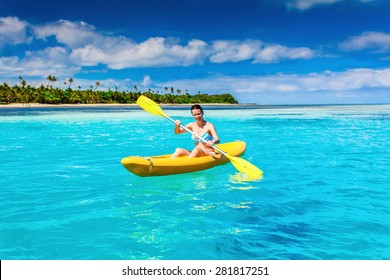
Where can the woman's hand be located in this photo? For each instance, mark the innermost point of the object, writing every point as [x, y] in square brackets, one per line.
[210, 143]
[177, 128]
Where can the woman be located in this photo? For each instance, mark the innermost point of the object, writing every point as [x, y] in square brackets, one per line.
[204, 129]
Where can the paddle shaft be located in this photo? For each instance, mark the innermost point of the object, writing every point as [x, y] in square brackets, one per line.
[196, 135]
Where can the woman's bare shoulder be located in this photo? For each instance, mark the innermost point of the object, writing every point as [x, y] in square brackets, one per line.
[210, 124]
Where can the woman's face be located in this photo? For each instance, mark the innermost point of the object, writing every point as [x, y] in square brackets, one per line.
[197, 113]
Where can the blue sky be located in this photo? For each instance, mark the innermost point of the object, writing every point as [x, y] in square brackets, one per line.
[261, 51]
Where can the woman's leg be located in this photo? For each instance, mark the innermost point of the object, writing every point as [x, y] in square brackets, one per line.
[195, 152]
[180, 152]
[201, 151]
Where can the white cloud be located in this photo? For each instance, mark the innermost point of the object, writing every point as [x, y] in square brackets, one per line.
[13, 31]
[275, 53]
[351, 80]
[154, 52]
[368, 40]
[106, 84]
[40, 63]
[352, 86]
[71, 34]
[307, 4]
[146, 82]
[78, 44]
[90, 48]
[235, 51]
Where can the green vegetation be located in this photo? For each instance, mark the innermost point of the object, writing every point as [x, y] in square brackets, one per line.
[48, 94]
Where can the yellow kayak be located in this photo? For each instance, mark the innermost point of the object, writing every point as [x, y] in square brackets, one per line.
[164, 165]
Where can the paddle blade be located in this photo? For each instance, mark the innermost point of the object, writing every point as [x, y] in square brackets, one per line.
[245, 167]
[150, 106]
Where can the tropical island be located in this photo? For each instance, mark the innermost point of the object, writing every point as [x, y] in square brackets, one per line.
[49, 94]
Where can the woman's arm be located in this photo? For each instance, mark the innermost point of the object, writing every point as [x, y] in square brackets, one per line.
[213, 133]
[179, 130]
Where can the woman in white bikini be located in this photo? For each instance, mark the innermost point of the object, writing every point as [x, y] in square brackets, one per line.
[204, 129]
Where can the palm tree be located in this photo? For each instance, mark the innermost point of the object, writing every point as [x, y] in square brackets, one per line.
[51, 79]
[70, 82]
[23, 92]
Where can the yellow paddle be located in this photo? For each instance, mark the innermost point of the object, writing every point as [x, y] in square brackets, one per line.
[240, 164]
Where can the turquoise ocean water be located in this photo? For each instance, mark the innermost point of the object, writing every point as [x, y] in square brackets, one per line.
[324, 195]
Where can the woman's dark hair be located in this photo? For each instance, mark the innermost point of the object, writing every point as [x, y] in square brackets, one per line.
[197, 107]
